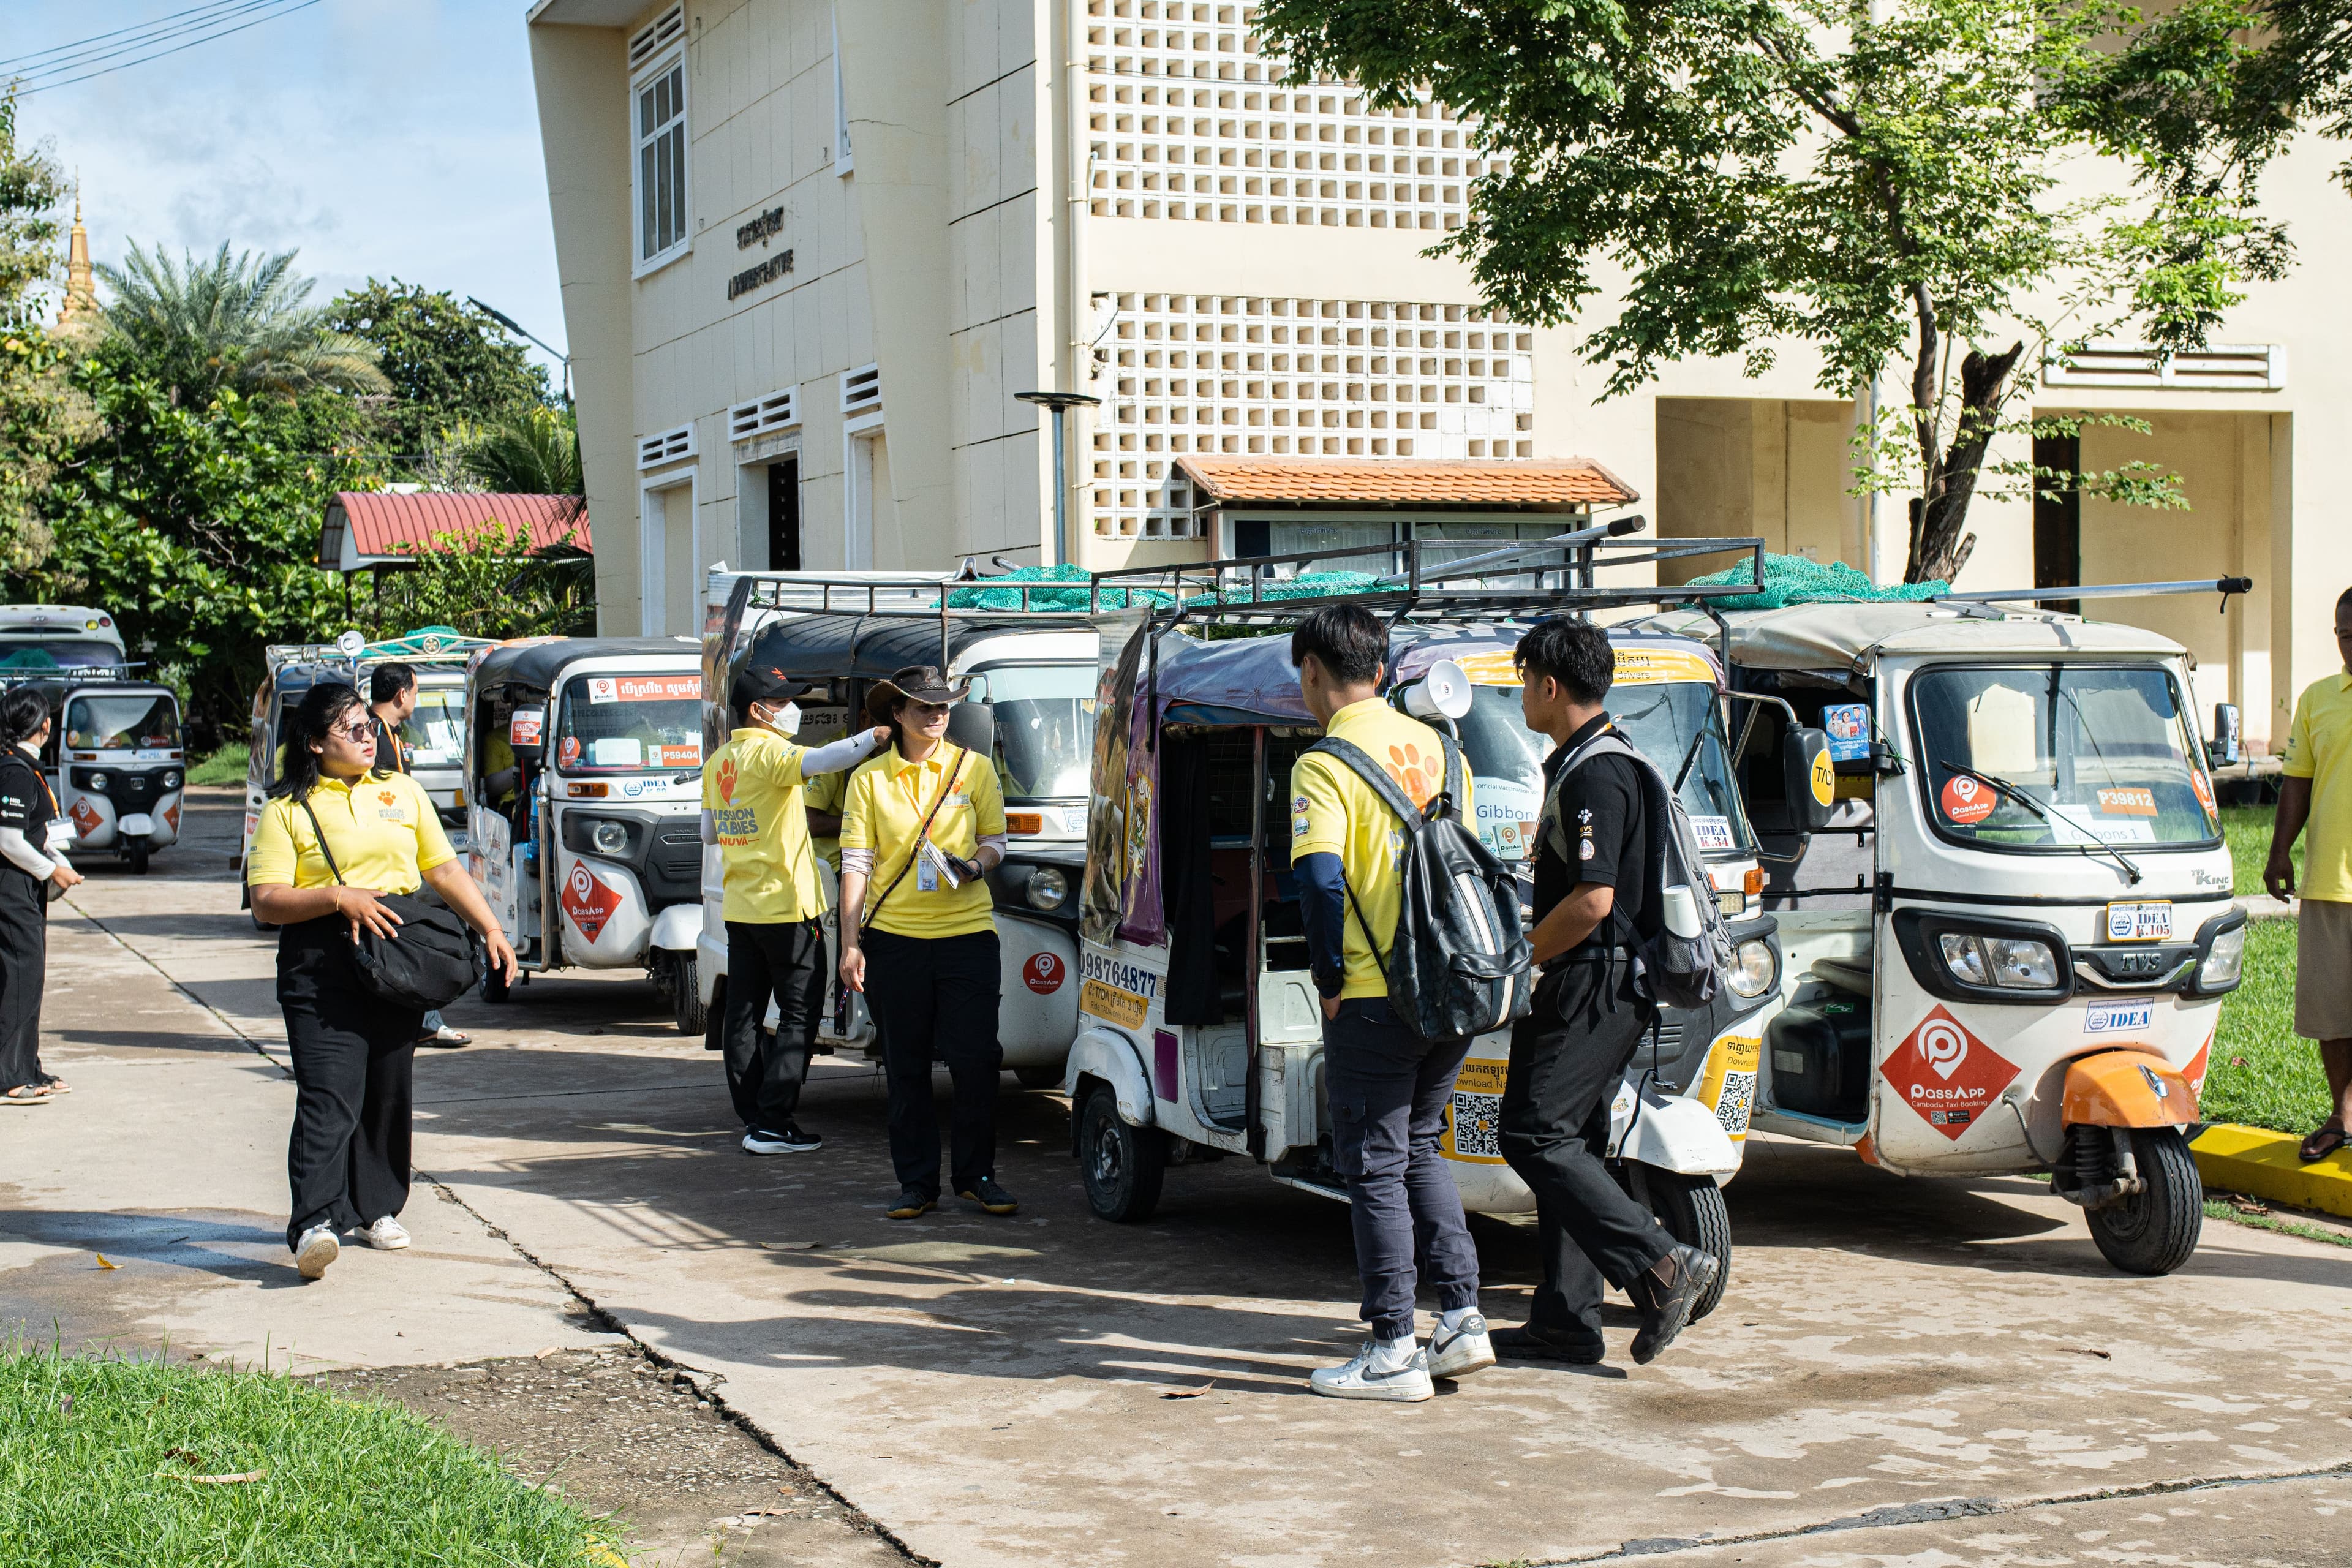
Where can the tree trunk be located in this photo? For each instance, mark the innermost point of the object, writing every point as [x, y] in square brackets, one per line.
[1939, 546]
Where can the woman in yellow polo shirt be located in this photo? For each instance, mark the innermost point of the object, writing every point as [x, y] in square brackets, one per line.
[922, 823]
[353, 1052]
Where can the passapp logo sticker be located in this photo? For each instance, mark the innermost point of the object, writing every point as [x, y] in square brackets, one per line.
[1043, 974]
[589, 900]
[85, 816]
[1948, 1074]
[1966, 800]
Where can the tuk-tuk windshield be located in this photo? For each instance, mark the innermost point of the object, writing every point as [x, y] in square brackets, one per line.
[2059, 755]
[142, 721]
[47, 652]
[434, 734]
[1045, 728]
[624, 723]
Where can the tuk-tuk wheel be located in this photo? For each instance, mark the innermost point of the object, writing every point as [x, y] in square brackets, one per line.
[1693, 1211]
[1037, 1078]
[2155, 1229]
[138, 851]
[685, 994]
[1121, 1165]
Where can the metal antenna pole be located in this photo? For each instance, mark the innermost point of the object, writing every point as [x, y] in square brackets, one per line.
[1061, 403]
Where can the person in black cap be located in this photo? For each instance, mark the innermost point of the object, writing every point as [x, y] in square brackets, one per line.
[753, 811]
[924, 823]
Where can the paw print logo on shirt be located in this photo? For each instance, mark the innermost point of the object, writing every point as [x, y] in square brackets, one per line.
[1414, 774]
[727, 780]
[386, 796]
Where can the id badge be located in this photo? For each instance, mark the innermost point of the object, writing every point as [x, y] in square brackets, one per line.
[927, 872]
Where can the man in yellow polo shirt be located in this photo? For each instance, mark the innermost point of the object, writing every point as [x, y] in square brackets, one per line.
[753, 810]
[2318, 791]
[1387, 1087]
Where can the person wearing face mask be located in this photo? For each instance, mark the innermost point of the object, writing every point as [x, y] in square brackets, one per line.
[754, 810]
[32, 862]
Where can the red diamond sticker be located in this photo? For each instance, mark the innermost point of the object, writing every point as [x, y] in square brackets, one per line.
[1948, 1074]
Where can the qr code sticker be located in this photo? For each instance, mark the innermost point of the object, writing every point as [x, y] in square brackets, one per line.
[1739, 1097]
[1477, 1123]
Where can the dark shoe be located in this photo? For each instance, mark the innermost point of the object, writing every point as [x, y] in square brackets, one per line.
[989, 1196]
[791, 1141]
[1536, 1342]
[1688, 1273]
[2325, 1141]
[911, 1203]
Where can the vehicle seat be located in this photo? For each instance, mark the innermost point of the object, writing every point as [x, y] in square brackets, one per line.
[1846, 974]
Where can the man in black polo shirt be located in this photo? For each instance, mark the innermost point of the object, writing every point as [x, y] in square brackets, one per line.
[1593, 870]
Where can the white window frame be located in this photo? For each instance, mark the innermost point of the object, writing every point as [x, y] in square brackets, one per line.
[653, 548]
[858, 437]
[844, 162]
[641, 265]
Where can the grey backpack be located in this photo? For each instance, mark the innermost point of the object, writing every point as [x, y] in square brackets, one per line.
[1678, 971]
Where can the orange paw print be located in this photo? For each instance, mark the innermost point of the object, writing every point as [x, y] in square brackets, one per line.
[1413, 774]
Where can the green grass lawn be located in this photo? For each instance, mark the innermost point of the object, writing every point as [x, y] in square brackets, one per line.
[2278, 1084]
[226, 767]
[96, 1455]
[2247, 830]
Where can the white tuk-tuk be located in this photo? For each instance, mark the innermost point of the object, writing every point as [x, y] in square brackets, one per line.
[2008, 952]
[583, 795]
[116, 764]
[1031, 708]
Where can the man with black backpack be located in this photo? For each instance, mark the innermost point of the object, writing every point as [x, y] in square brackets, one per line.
[1388, 1083]
[1595, 857]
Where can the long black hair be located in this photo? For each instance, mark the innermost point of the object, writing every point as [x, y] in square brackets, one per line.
[322, 706]
[23, 712]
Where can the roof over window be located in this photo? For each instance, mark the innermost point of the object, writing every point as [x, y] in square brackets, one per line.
[368, 528]
[1534, 484]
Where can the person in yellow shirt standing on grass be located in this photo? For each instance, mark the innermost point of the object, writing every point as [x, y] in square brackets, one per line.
[924, 823]
[754, 810]
[2318, 791]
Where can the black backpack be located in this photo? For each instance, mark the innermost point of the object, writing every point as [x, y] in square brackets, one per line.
[1457, 962]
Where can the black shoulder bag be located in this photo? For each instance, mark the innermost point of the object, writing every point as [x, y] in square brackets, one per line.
[429, 964]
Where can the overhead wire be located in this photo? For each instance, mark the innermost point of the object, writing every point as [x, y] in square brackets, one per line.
[10, 60]
[271, 9]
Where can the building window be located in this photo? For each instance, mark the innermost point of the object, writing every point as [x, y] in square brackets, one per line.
[660, 123]
[1266, 377]
[843, 161]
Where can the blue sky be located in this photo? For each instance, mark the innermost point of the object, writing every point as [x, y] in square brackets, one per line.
[385, 138]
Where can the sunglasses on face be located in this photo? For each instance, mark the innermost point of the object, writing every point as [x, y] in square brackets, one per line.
[355, 733]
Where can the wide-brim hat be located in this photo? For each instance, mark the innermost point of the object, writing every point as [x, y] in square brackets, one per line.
[916, 683]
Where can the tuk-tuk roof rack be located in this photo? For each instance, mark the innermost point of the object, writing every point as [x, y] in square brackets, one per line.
[19, 675]
[2225, 586]
[897, 597]
[454, 651]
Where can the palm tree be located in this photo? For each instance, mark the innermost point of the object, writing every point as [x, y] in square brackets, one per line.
[533, 453]
[238, 321]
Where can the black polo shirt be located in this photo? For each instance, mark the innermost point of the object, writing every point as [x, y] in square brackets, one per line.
[1593, 829]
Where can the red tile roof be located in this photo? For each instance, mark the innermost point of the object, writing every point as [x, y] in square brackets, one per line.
[363, 527]
[1497, 482]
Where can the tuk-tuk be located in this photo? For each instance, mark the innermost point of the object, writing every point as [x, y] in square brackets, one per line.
[116, 761]
[1031, 709]
[583, 798]
[2007, 950]
[1201, 1033]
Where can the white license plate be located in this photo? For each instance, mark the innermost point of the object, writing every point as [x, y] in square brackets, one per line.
[2119, 1018]
[2139, 922]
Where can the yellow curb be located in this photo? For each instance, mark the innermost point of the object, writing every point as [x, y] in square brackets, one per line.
[2262, 1164]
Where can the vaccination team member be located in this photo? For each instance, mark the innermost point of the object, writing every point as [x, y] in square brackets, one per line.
[354, 1052]
[392, 697]
[1570, 1052]
[32, 852]
[2317, 791]
[754, 809]
[1387, 1087]
[921, 825]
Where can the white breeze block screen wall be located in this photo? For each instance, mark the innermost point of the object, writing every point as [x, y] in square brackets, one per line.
[1333, 378]
[1186, 123]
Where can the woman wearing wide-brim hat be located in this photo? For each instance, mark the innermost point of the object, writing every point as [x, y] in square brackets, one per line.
[921, 825]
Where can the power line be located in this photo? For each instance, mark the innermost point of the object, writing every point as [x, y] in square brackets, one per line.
[73, 57]
[176, 49]
[99, 38]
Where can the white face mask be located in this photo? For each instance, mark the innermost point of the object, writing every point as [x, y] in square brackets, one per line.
[786, 720]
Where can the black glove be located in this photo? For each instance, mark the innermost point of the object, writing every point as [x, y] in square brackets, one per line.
[967, 870]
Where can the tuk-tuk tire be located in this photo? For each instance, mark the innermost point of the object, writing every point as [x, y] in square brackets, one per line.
[1694, 1213]
[1038, 1078]
[138, 852]
[2154, 1231]
[685, 994]
[1120, 1165]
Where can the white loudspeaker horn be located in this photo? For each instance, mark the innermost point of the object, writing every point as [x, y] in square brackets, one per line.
[1443, 693]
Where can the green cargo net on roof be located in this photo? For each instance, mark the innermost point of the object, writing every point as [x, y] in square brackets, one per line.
[1794, 580]
[999, 594]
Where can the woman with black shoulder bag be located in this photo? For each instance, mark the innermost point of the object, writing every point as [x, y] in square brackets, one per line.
[32, 870]
[339, 852]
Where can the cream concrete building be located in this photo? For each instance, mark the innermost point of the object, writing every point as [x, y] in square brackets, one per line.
[812, 250]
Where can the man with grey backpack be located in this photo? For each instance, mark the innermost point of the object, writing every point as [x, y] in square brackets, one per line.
[1602, 943]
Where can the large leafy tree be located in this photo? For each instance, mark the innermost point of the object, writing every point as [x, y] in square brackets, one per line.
[448, 362]
[242, 322]
[1949, 190]
[41, 414]
[536, 452]
[489, 583]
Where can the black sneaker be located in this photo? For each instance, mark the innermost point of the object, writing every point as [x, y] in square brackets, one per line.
[1536, 1342]
[791, 1141]
[989, 1196]
[910, 1203]
[1691, 1271]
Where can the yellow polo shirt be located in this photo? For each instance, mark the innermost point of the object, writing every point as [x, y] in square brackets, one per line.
[2319, 748]
[826, 792]
[882, 811]
[383, 828]
[1334, 812]
[751, 787]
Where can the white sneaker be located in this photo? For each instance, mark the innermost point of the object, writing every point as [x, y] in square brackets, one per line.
[1462, 1350]
[386, 1235]
[314, 1249]
[1408, 1385]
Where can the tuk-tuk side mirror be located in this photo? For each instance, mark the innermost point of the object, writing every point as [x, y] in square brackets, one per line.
[2221, 748]
[972, 726]
[1809, 778]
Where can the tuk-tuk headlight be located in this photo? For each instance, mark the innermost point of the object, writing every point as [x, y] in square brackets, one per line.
[1048, 888]
[98, 781]
[171, 779]
[2224, 962]
[2014, 964]
[609, 837]
[1754, 968]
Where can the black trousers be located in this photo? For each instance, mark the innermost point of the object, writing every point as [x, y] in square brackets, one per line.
[1567, 1056]
[764, 1072]
[347, 1161]
[936, 998]
[24, 969]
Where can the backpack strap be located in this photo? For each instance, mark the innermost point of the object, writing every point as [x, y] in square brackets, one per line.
[1360, 764]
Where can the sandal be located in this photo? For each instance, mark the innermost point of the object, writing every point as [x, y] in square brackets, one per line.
[54, 1084]
[2322, 1142]
[26, 1094]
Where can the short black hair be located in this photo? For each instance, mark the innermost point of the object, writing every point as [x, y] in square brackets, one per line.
[387, 681]
[1575, 653]
[2344, 598]
[1348, 639]
[23, 712]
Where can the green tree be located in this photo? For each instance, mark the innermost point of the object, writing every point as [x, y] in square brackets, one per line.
[241, 322]
[489, 583]
[447, 361]
[536, 452]
[1961, 188]
[41, 414]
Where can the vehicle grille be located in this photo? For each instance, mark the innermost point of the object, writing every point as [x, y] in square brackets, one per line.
[674, 863]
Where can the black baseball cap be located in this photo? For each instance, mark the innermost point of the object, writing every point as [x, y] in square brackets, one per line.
[765, 683]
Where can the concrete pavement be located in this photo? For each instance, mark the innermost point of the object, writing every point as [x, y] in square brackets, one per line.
[1927, 1363]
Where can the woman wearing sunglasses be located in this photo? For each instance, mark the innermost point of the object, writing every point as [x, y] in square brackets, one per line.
[354, 1052]
[922, 823]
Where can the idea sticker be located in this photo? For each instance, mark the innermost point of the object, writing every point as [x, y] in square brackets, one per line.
[1966, 800]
